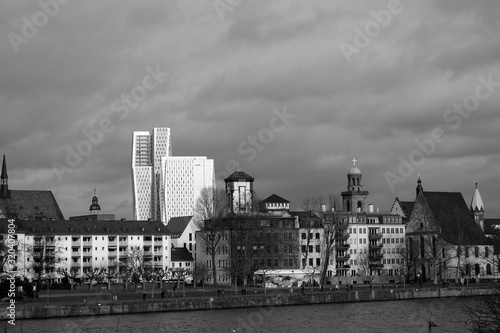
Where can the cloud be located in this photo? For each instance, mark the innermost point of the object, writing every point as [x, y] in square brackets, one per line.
[226, 77]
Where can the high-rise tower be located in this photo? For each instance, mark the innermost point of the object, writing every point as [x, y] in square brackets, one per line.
[148, 148]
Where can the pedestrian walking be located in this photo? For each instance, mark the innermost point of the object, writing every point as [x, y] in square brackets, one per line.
[143, 296]
[218, 292]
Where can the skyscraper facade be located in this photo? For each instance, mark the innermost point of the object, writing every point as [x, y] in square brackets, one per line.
[183, 178]
[148, 148]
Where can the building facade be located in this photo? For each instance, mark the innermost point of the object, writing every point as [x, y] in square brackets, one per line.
[46, 248]
[148, 149]
[183, 178]
[446, 239]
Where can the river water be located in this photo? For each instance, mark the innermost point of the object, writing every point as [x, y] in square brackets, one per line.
[388, 316]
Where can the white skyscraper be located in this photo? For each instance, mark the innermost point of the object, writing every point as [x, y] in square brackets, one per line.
[147, 151]
[183, 179]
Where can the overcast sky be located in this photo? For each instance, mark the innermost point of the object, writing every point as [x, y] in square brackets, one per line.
[349, 80]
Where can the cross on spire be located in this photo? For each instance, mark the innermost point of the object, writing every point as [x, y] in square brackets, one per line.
[354, 160]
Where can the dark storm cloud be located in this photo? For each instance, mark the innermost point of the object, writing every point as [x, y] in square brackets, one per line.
[226, 77]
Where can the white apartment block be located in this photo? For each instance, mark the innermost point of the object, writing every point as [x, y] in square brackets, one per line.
[183, 179]
[87, 245]
[148, 149]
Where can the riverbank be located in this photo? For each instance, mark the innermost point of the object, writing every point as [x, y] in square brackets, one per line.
[282, 298]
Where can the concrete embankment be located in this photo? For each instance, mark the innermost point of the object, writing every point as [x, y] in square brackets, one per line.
[29, 311]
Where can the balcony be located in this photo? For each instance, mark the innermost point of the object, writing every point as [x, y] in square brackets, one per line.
[343, 257]
[375, 236]
[343, 267]
[343, 247]
[87, 254]
[147, 242]
[148, 254]
[112, 254]
[343, 235]
[112, 243]
[76, 254]
[376, 257]
[77, 242]
[376, 266]
[375, 246]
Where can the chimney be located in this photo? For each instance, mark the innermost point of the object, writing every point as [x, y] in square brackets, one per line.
[370, 208]
[323, 208]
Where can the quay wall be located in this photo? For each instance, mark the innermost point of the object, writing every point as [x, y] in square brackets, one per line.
[33, 311]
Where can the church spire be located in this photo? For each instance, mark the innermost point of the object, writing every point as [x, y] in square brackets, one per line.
[477, 202]
[4, 184]
[477, 208]
[419, 187]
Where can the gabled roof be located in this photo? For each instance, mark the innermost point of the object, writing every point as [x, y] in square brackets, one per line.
[177, 225]
[406, 208]
[87, 227]
[454, 218]
[180, 254]
[239, 175]
[30, 205]
[275, 198]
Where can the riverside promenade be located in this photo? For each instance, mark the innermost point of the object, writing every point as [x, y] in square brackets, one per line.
[78, 303]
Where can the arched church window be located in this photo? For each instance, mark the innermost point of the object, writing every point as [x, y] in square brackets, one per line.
[422, 247]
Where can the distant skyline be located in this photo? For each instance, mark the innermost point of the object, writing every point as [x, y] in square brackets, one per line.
[290, 91]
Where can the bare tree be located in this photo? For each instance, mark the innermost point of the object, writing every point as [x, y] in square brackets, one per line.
[484, 313]
[136, 268]
[407, 260]
[200, 271]
[110, 272]
[329, 242]
[365, 263]
[70, 274]
[180, 274]
[11, 244]
[44, 250]
[210, 210]
[335, 202]
[92, 274]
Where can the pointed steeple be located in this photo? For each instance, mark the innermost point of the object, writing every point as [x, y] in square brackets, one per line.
[4, 183]
[477, 202]
[419, 187]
